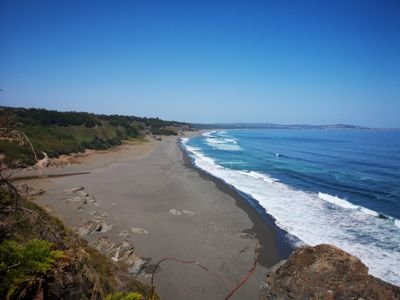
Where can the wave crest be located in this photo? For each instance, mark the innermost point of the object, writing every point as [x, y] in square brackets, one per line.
[221, 141]
[346, 204]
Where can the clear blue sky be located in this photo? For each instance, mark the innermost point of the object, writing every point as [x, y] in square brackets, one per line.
[313, 62]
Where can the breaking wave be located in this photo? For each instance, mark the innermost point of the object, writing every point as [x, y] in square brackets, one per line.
[221, 141]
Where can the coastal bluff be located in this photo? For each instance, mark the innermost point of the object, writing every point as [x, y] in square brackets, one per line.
[324, 272]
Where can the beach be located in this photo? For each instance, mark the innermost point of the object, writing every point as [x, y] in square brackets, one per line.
[148, 193]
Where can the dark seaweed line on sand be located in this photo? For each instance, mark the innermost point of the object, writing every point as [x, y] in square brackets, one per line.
[264, 228]
[17, 178]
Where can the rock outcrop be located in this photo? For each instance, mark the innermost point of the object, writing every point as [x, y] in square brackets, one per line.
[27, 191]
[96, 225]
[324, 272]
[79, 197]
[124, 252]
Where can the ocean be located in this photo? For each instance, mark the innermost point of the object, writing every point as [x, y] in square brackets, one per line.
[340, 187]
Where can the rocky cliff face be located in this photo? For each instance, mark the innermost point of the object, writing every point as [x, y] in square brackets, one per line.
[324, 272]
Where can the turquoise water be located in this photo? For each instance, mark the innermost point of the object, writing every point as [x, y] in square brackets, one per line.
[321, 186]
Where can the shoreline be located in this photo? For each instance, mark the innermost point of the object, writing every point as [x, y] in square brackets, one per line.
[263, 223]
[330, 215]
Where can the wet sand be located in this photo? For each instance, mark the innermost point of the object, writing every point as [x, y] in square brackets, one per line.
[170, 209]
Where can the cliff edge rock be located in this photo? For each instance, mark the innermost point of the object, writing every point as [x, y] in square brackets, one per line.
[324, 272]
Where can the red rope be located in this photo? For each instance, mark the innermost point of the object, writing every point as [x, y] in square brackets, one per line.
[233, 291]
[183, 262]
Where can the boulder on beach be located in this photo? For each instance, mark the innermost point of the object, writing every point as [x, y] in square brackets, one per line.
[139, 230]
[80, 197]
[96, 225]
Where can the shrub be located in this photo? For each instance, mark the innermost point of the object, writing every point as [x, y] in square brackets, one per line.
[131, 131]
[87, 145]
[90, 123]
[162, 131]
[16, 154]
[22, 263]
[99, 144]
[124, 296]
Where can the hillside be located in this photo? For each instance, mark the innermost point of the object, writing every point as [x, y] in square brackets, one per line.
[42, 259]
[59, 133]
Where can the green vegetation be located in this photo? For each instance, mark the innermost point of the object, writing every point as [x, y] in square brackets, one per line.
[58, 133]
[43, 118]
[124, 296]
[36, 248]
[162, 131]
[23, 263]
[39, 257]
[16, 154]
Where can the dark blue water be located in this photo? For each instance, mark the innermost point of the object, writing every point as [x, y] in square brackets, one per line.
[333, 186]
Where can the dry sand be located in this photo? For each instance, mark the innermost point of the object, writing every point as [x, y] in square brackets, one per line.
[169, 209]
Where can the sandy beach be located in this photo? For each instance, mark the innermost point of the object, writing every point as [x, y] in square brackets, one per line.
[149, 194]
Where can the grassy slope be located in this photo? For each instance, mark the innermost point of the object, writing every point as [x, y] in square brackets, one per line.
[56, 140]
[59, 133]
[83, 272]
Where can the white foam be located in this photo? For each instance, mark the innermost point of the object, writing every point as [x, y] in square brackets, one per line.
[337, 201]
[397, 222]
[308, 217]
[221, 141]
[258, 176]
[369, 211]
[208, 133]
[346, 204]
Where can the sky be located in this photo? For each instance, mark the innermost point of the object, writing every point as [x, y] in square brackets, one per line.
[287, 62]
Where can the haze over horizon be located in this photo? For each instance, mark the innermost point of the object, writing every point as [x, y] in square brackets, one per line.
[231, 61]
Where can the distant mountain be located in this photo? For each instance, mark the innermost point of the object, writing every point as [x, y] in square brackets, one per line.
[273, 126]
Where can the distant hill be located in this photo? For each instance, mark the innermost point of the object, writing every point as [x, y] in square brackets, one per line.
[273, 126]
